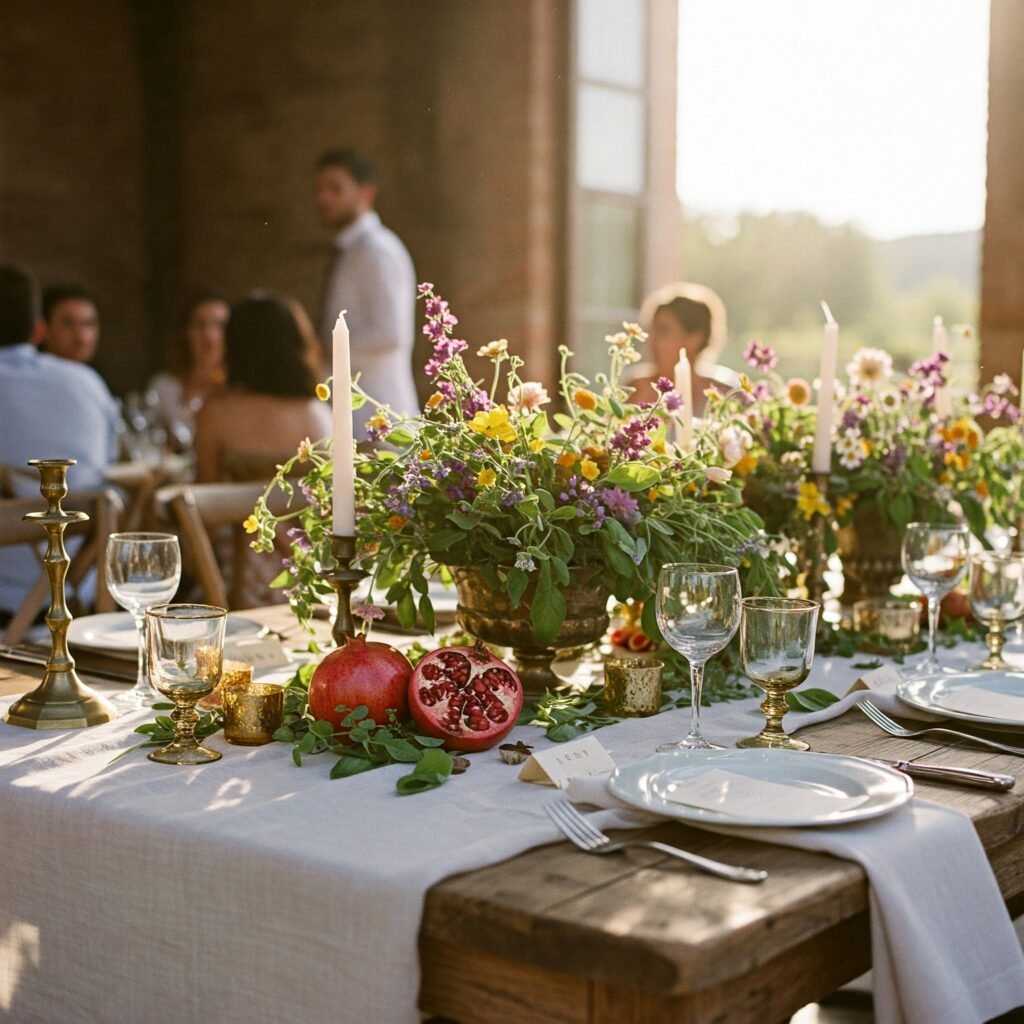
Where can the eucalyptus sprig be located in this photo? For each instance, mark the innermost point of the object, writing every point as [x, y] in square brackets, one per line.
[565, 716]
[360, 744]
[161, 730]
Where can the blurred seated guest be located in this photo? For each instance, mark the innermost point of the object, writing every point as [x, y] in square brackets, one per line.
[50, 408]
[270, 404]
[682, 316]
[72, 323]
[195, 368]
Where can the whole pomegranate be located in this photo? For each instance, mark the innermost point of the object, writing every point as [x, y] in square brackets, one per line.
[465, 696]
[360, 672]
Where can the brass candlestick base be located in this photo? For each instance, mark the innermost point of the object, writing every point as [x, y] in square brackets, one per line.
[61, 700]
[344, 579]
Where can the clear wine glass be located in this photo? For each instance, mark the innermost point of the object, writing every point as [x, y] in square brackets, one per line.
[777, 650]
[935, 559]
[143, 570]
[996, 591]
[186, 658]
[698, 611]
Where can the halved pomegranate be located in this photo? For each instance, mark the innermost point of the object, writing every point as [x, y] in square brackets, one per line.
[465, 696]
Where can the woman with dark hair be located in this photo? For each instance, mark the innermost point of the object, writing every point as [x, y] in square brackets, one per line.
[270, 404]
[195, 367]
[678, 317]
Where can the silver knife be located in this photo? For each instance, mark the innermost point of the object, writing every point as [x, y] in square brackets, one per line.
[948, 774]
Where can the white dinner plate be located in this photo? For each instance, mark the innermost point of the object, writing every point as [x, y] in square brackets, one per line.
[114, 632]
[983, 697]
[763, 788]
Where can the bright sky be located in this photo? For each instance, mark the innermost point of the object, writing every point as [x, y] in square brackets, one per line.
[866, 110]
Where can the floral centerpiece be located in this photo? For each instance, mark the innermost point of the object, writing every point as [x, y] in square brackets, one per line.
[895, 457]
[538, 501]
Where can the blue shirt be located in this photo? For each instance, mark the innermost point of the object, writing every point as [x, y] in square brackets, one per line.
[50, 408]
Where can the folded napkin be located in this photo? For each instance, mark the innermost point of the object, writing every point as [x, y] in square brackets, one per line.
[943, 948]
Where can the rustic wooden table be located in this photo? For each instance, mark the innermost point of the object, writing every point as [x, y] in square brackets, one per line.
[554, 935]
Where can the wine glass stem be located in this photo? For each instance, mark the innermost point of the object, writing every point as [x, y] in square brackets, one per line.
[696, 684]
[933, 628]
[142, 682]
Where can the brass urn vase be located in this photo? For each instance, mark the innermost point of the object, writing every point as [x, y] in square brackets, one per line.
[487, 613]
[869, 549]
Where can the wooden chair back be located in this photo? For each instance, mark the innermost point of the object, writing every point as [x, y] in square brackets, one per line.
[200, 512]
[104, 507]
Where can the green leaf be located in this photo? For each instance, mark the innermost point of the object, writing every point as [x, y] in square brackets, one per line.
[347, 765]
[810, 699]
[515, 583]
[560, 570]
[540, 428]
[406, 610]
[432, 770]
[401, 750]
[322, 729]
[444, 539]
[616, 409]
[565, 422]
[974, 511]
[428, 741]
[867, 665]
[546, 501]
[426, 608]
[901, 510]
[354, 716]
[464, 520]
[547, 610]
[282, 579]
[400, 438]
[632, 476]
[564, 512]
[563, 732]
[307, 744]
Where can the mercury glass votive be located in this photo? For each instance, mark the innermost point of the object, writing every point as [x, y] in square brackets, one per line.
[252, 714]
[234, 676]
[632, 687]
[886, 626]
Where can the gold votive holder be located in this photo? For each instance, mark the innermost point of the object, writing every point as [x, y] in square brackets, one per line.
[235, 675]
[886, 626]
[632, 687]
[253, 714]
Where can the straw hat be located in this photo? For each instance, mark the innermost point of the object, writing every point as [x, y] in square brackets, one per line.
[696, 293]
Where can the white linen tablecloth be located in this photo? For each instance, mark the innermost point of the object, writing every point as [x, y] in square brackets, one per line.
[249, 889]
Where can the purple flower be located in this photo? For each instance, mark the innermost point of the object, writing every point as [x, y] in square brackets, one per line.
[673, 402]
[477, 401]
[931, 372]
[663, 386]
[761, 357]
[851, 420]
[620, 504]
[633, 438]
[424, 289]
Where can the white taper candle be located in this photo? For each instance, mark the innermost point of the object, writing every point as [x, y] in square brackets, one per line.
[821, 461]
[684, 389]
[343, 487]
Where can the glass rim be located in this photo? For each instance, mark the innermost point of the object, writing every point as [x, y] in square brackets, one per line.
[704, 568]
[142, 535]
[634, 662]
[953, 527]
[780, 604]
[996, 556]
[187, 610]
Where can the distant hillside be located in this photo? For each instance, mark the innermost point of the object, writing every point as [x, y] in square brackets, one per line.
[909, 262]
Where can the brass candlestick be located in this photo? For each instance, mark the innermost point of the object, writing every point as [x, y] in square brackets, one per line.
[343, 578]
[61, 700]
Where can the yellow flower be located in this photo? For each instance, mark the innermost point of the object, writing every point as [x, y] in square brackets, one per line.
[982, 488]
[746, 465]
[537, 445]
[590, 470]
[957, 461]
[973, 438]
[396, 522]
[435, 400]
[713, 395]
[811, 501]
[584, 398]
[658, 447]
[493, 424]
[305, 450]
[844, 503]
[745, 383]
[486, 478]
[251, 524]
[323, 392]
[567, 459]
[652, 494]
[378, 423]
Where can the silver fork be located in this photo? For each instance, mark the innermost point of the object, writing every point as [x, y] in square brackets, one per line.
[587, 837]
[883, 721]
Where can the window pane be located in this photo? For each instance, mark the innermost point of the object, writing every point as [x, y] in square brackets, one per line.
[610, 140]
[611, 41]
[609, 263]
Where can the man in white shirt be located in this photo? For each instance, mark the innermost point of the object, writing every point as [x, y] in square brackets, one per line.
[50, 408]
[371, 277]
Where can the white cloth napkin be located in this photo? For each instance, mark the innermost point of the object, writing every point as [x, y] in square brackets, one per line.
[943, 947]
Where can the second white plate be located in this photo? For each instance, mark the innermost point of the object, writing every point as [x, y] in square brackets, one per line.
[763, 788]
[114, 632]
[990, 698]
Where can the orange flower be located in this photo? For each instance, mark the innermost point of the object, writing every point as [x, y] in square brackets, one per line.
[435, 400]
[396, 522]
[746, 465]
[567, 459]
[798, 391]
[584, 399]
[982, 489]
[652, 494]
[425, 454]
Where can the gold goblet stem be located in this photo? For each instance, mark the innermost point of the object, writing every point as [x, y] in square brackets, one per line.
[774, 706]
[995, 641]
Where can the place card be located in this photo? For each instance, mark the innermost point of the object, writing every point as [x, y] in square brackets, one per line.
[741, 796]
[559, 765]
[882, 680]
[976, 700]
[262, 652]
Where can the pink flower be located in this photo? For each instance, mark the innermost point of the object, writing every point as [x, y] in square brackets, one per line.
[527, 397]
